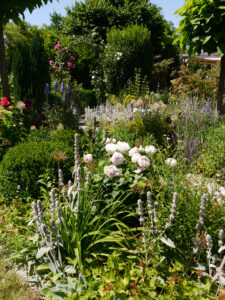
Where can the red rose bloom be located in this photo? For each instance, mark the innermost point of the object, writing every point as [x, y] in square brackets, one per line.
[28, 103]
[35, 123]
[5, 102]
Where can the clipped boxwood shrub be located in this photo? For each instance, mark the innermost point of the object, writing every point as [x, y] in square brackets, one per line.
[44, 151]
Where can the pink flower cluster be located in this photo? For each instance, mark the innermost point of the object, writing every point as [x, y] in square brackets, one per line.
[69, 63]
[57, 46]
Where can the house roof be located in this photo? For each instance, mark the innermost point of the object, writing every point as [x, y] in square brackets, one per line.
[203, 57]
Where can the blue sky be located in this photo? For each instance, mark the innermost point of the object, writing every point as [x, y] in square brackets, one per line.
[42, 15]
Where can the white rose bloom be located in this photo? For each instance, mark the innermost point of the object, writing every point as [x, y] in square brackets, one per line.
[88, 158]
[135, 110]
[144, 162]
[141, 148]
[111, 171]
[135, 158]
[114, 141]
[171, 162]
[111, 148]
[123, 147]
[133, 151]
[150, 149]
[117, 158]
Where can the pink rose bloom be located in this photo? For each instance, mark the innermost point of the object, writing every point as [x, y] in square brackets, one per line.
[117, 158]
[69, 64]
[54, 67]
[51, 62]
[57, 47]
[59, 42]
[72, 58]
[135, 158]
[111, 171]
[88, 158]
[144, 162]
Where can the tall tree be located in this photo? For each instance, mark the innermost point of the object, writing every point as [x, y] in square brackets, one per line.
[12, 9]
[202, 28]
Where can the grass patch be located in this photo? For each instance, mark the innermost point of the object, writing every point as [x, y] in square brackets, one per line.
[12, 286]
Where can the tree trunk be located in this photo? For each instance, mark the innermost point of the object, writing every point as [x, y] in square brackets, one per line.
[220, 92]
[3, 68]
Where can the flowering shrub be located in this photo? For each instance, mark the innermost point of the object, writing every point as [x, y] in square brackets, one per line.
[63, 63]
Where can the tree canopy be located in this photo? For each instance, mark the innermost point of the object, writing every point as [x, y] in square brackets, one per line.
[202, 28]
[10, 10]
[102, 15]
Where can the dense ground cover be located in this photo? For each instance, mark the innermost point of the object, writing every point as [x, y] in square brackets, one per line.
[142, 215]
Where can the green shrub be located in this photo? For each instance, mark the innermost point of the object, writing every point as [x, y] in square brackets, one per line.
[126, 50]
[30, 69]
[43, 152]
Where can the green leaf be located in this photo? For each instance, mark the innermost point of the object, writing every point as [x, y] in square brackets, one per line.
[207, 39]
[221, 48]
[42, 251]
[70, 270]
[168, 242]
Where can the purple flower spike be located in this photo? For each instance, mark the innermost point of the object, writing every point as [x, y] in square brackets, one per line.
[68, 88]
[56, 85]
[195, 142]
[47, 90]
[62, 87]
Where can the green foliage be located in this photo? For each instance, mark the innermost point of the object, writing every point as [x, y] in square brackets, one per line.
[17, 33]
[126, 50]
[202, 26]
[91, 21]
[43, 152]
[30, 69]
[139, 86]
[102, 15]
[11, 127]
[213, 156]
[198, 80]
[86, 49]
